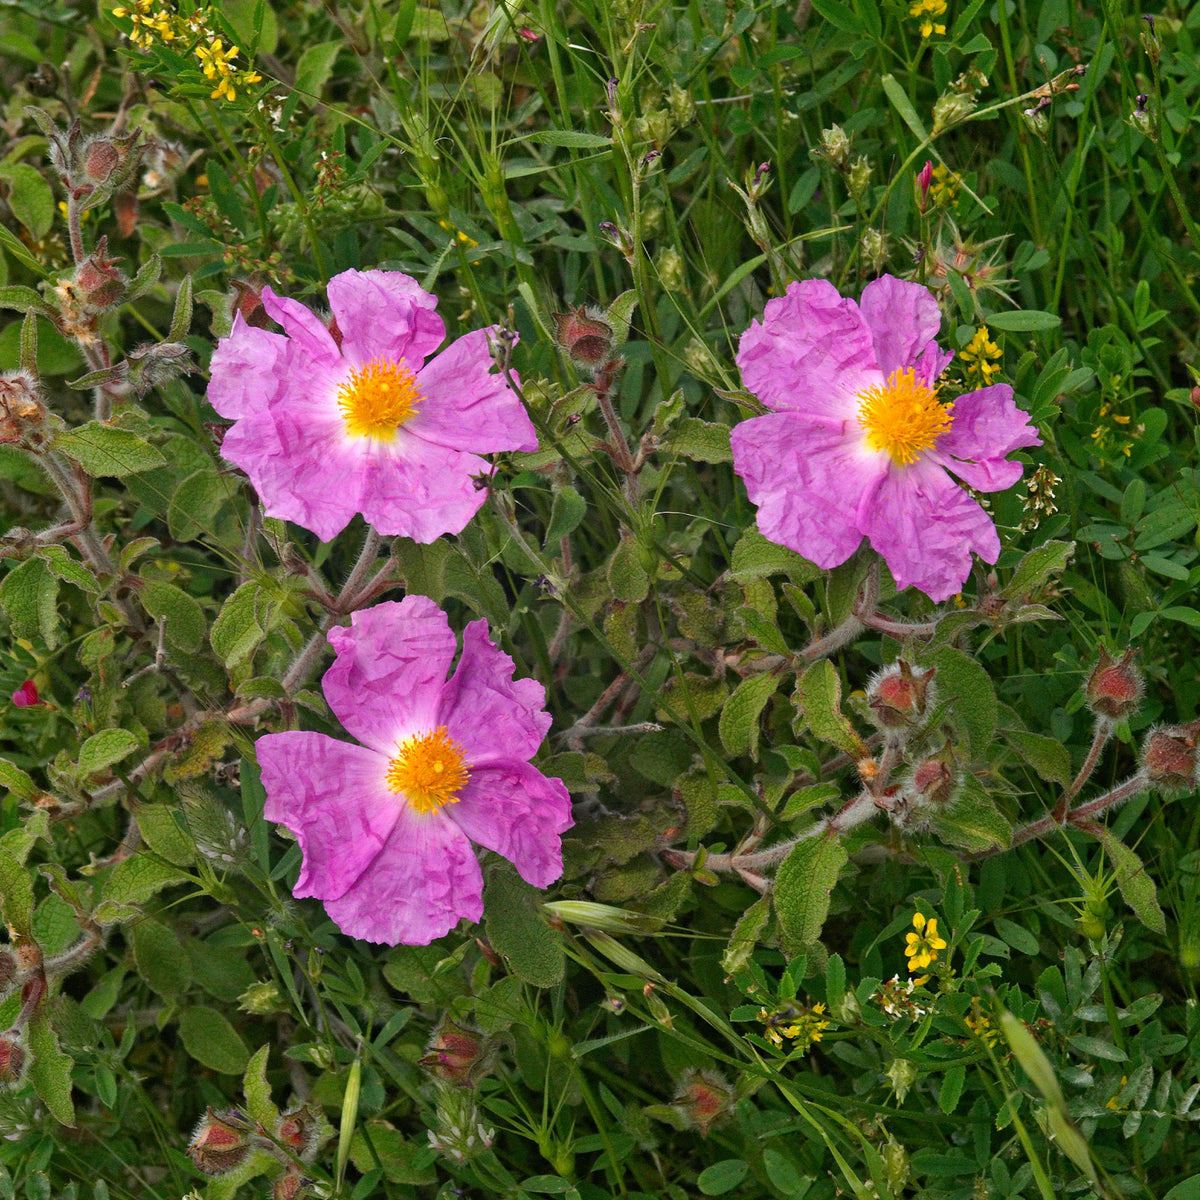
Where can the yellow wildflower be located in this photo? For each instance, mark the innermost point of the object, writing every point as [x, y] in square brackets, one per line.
[804, 1025]
[981, 355]
[924, 944]
[925, 11]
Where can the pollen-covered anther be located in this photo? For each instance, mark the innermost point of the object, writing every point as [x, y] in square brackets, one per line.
[377, 398]
[430, 770]
[903, 417]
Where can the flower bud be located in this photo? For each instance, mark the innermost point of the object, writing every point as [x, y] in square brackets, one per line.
[903, 1075]
[26, 696]
[301, 1131]
[924, 180]
[896, 1166]
[21, 411]
[263, 998]
[1115, 687]
[858, 177]
[218, 1146]
[670, 270]
[585, 336]
[458, 1133]
[289, 1186]
[702, 1099]
[935, 780]
[873, 250]
[834, 147]
[1169, 757]
[99, 286]
[100, 158]
[900, 696]
[457, 1055]
[14, 1059]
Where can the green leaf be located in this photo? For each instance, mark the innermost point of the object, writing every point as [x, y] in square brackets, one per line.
[244, 620]
[627, 577]
[566, 513]
[973, 821]
[516, 930]
[1188, 1189]
[164, 836]
[29, 196]
[196, 503]
[903, 105]
[738, 726]
[818, 701]
[835, 983]
[161, 961]
[722, 1176]
[257, 1090]
[1024, 321]
[16, 896]
[754, 557]
[50, 1069]
[137, 879]
[745, 936]
[953, 1083]
[212, 1041]
[17, 782]
[1137, 888]
[803, 885]
[184, 617]
[404, 1161]
[565, 137]
[69, 569]
[618, 316]
[701, 441]
[29, 594]
[103, 749]
[1046, 755]
[315, 67]
[1037, 567]
[102, 450]
[968, 685]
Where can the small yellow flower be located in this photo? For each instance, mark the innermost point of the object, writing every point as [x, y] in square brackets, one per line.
[924, 944]
[981, 355]
[926, 10]
[982, 1028]
[1112, 1100]
[804, 1025]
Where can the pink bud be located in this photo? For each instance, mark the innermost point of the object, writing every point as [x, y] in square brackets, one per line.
[924, 179]
[1114, 688]
[26, 696]
[1169, 756]
[900, 695]
[218, 1146]
[455, 1054]
[585, 336]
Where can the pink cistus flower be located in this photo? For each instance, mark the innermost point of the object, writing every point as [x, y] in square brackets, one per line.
[861, 444]
[386, 826]
[351, 418]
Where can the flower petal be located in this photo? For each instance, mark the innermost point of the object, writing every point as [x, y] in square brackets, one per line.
[902, 317]
[302, 325]
[808, 481]
[391, 663]
[987, 427]
[247, 370]
[418, 887]
[517, 811]
[385, 315]
[415, 489]
[333, 797]
[811, 353]
[926, 527]
[489, 713]
[468, 404]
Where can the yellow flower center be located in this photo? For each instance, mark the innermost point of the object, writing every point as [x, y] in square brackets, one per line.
[378, 398]
[429, 770]
[903, 416]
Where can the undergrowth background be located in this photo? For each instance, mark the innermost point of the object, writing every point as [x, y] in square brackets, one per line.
[685, 161]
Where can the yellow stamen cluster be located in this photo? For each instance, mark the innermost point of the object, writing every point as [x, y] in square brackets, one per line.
[376, 399]
[429, 770]
[983, 1029]
[925, 11]
[803, 1025]
[903, 416]
[157, 21]
[944, 187]
[981, 356]
[923, 946]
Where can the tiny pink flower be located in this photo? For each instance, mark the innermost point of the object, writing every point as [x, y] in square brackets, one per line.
[386, 826]
[860, 443]
[352, 418]
[26, 696]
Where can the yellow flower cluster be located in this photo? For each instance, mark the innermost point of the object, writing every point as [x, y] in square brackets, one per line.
[981, 356]
[157, 21]
[804, 1025]
[926, 10]
[923, 946]
[983, 1029]
[944, 186]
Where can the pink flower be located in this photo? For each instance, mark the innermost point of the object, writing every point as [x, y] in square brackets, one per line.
[860, 443]
[26, 696]
[386, 827]
[352, 419]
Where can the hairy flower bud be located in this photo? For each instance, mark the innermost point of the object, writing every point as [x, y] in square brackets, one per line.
[457, 1055]
[1115, 687]
[585, 336]
[458, 1133]
[923, 182]
[261, 999]
[935, 780]
[21, 410]
[289, 1186]
[834, 148]
[217, 1146]
[902, 1074]
[99, 286]
[1170, 759]
[301, 1131]
[858, 177]
[703, 1098]
[900, 696]
[14, 1060]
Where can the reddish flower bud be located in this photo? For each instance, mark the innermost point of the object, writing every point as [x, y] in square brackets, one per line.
[1115, 686]
[300, 1131]
[1194, 395]
[14, 1058]
[1169, 757]
[289, 1186]
[248, 302]
[585, 336]
[934, 781]
[99, 286]
[924, 180]
[218, 1146]
[26, 696]
[457, 1055]
[900, 695]
[100, 159]
[703, 1098]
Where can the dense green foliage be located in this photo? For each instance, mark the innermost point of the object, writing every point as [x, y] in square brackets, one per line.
[702, 1005]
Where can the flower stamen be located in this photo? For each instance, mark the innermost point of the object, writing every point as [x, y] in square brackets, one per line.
[429, 770]
[377, 398]
[903, 416]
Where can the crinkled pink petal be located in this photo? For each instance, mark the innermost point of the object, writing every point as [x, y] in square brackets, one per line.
[332, 795]
[517, 811]
[926, 527]
[811, 353]
[302, 467]
[247, 370]
[808, 481]
[386, 681]
[416, 489]
[902, 318]
[490, 714]
[385, 315]
[418, 887]
[302, 325]
[468, 404]
[932, 363]
[987, 427]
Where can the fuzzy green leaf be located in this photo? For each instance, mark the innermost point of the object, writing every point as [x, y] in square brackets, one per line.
[745, 936]
[164, 836]
[818, 701]
[16, 895]
[964, 681]
[1137, 888]
[803, 885]
[738, 726]
[627, 577]
[514, 924]
[103, 749]
[161, 961]
[244, 620]
[184, 616]
[1047, 756]
[257, 1090]
[566, 512]
[50, 1070]
[102, 450]
[29, 594]
[701, 441]
[1037, 567]
[135, 880]
[754, 557]
[211, 1040]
